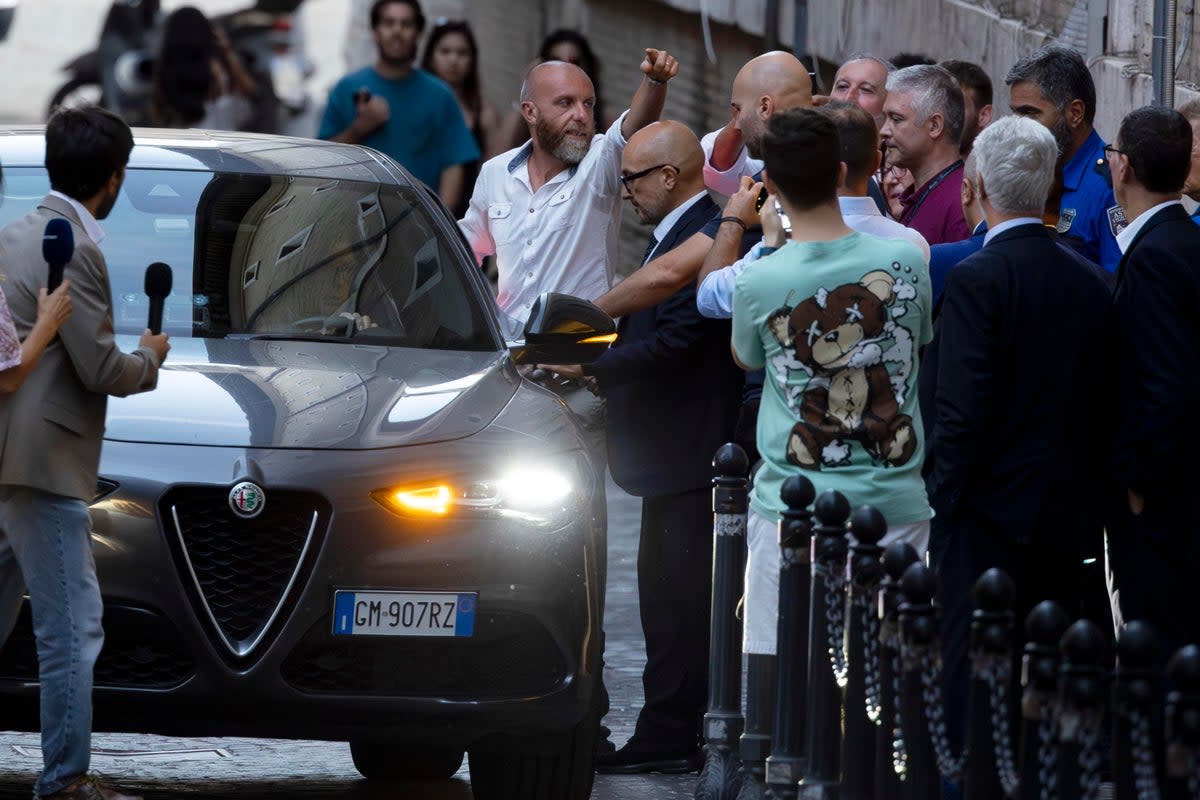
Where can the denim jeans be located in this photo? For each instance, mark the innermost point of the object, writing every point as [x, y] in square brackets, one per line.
[45, 546]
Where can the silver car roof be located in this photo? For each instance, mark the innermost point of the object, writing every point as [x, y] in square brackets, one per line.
[225, 151]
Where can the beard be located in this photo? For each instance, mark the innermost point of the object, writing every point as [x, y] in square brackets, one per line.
[1062, 136]
[399, 57]
[569, 151]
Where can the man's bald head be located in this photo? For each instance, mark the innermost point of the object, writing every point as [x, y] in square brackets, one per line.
[669, 142]
[772, 82]
[662, 168]
[548, 75]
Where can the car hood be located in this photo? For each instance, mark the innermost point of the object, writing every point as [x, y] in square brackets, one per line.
[289, 394]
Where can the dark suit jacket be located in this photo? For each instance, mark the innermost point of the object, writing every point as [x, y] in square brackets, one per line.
[671, 388]
[1157, 308]
[1014, 390]
[943, 257]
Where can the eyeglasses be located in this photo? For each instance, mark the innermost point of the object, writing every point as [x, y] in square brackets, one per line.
[627, 179]
[1108, 148]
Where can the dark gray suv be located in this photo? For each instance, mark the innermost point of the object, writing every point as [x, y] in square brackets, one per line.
[342, 514]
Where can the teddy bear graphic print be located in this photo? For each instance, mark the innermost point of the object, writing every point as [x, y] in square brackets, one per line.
[843, 370]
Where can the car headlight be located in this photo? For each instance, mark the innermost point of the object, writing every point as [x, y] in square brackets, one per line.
[545, 496]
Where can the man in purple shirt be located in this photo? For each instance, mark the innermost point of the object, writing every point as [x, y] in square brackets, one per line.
[922, 128]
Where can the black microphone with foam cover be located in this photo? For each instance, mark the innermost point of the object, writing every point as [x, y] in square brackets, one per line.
[58, 245]
[158, 286]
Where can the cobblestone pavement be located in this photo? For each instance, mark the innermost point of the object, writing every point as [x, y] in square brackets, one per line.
[248, 769]
[258, 769]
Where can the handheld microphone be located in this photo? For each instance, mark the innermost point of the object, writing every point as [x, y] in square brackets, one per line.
[158, 286]
[58, 245]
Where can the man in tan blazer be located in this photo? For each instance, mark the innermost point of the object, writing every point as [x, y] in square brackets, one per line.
[51, 430]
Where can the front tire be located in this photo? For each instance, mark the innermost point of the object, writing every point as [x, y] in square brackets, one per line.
[555, 767]
[391, 761]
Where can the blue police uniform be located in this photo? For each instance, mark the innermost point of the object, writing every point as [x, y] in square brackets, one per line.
[1089, 218]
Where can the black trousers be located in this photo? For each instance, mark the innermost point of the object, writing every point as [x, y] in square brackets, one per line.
[1155, 559]
[967, 546]
[674, 587]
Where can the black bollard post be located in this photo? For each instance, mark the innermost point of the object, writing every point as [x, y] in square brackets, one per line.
[785, 765]
[1081, 699]
[918, 640]
[1133, 697]
[755, 745]
[1183, 725]
[862, 655]
[1044, 627]
[990, 771]
[826, 657]
[723, 722]
[891, 757]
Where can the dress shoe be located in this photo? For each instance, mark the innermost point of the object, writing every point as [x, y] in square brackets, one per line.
[604, 745]
[89, 787]
[631, 761]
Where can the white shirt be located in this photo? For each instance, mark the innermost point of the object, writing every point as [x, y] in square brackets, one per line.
[666, 223]
[561, 238]
[727, 181]
[1126, 237]
[90, 226]
[714, 298]
[1004, 226]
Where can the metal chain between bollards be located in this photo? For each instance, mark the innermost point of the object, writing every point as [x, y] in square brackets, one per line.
[1145, 779]
[872, 690]
[935, 716]
[996, 672]
[835, 622]
[1089, 763]
[899, 751]
[1047, 754]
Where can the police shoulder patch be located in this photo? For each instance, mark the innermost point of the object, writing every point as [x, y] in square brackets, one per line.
[1065, 217]
[1116, 220]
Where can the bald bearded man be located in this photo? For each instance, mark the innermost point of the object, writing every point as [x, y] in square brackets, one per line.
[764, 85]
[672, 392]
[550, 210]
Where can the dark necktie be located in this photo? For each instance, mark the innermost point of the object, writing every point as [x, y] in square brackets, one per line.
[650, 248]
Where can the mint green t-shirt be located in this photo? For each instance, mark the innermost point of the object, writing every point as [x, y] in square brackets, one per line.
[837, 326]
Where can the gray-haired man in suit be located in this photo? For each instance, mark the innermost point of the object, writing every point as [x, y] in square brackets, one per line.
[51, 430]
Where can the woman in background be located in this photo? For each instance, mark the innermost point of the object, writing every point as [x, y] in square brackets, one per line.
[452, 54]
[199, 82]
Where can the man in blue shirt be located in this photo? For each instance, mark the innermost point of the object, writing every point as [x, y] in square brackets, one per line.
[427, 134]
[1054, 87]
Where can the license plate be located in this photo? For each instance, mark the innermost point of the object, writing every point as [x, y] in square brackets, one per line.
[361, 613]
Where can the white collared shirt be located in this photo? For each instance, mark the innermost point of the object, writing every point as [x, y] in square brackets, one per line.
[863, 215]
[714, 297]
[1126, 237]
[1008, 225]
[561, 238]
[90, 226]
[666, 223]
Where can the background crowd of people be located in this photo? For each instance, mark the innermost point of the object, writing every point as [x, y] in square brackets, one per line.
[956, 313]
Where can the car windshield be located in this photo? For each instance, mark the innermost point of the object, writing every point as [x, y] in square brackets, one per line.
[280, 257]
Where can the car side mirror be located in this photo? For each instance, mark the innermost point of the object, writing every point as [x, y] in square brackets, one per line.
[562, 329]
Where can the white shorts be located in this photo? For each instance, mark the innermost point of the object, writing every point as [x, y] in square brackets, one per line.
[762, 576]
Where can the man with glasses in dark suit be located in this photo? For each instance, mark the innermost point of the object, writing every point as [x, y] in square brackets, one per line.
[672, 393]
